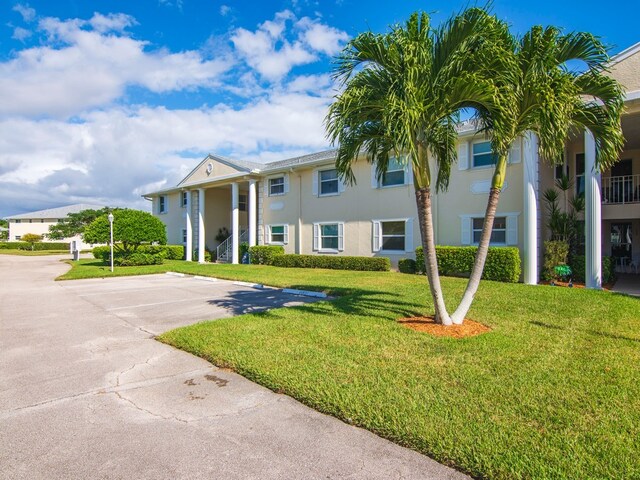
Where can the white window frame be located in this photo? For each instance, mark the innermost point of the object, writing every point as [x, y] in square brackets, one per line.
[285, 185]
[183, 199]
[511, 234]
[493, 230]
[320, 182]
[285, 234]
[400, 168]
[472, 156]
[243, 200]
[163, 206]
[377, 235]
[317, 237]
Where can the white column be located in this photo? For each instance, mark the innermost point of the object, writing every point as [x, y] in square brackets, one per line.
[252, 213]
[530, 167]
[235, 223]
[592, 215]
[201, 242]
[189, 227]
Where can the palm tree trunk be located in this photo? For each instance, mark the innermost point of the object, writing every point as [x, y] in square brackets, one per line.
[425, 218]
[481, 256]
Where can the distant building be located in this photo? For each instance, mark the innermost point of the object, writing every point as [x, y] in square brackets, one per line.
[40, 221]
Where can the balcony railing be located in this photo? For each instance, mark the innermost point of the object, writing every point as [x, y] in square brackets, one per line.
[621, 190]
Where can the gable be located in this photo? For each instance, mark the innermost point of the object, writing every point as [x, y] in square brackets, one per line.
[211, 168]
[627, 70]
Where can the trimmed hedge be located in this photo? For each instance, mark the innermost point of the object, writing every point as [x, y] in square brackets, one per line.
[578, 266]
[407, 265]
[264, 254]
[502, 264]
[372, 264]
[39, 246]
[137, 259]
[170, 252]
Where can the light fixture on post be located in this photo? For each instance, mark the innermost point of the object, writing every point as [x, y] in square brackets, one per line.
[111, 235]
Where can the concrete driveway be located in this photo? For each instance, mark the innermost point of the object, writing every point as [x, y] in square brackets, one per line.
[85, 391]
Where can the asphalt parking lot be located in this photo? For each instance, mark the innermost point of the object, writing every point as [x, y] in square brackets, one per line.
[87, 392]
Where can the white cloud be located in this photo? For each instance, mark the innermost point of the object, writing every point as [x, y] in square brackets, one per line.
[320, 37]
[21, 34]
[224, 10]
[272, 52]
[92, 69]
[28, 13]
[115, 155]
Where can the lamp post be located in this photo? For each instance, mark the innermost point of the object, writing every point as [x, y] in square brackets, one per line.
[111, 235]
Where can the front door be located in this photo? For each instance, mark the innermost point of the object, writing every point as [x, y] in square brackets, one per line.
[621, 241]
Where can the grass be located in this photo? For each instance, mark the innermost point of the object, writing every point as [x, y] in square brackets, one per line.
[32, 253]
[553, 391]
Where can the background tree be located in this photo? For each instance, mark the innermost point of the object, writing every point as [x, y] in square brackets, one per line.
[4, 229]
[545, 97]
[131, 228]
[403, 92]
[75, 223]
[31, 239]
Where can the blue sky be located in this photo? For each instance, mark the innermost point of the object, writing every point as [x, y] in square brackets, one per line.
[101, 101]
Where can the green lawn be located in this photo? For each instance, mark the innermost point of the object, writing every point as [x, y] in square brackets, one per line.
[32, 253]
[553, 391]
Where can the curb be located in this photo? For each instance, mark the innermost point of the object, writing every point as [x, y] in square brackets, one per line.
[306, 293]
[175, 274]
[206, 279]
[249, 284]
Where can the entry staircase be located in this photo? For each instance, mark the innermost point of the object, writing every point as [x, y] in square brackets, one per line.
[224, 251]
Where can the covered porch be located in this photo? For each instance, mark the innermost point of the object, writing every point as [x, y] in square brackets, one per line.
[219, 217]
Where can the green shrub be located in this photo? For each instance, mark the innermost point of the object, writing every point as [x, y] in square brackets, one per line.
[407, 265]
[578, 265]
[36, 246]
[101, 253]
[556, 253]
[170, 252]
[208, 255]
[137, 259]
[264, 254]
[502, 264]
[375, 264]
[244, 248]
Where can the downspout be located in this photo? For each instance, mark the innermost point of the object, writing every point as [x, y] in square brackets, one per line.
[299, 225]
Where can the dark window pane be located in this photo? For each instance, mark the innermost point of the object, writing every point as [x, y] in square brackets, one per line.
[579, 163]
[329, 175]
[483, 147]
[392, 243]
[329, 230]
[276, 186]
[477, 223]
[500, 223]
[328, 186]
[330, 243]
[498, 236]
[277, 229]
[393, 178]
[392, 228]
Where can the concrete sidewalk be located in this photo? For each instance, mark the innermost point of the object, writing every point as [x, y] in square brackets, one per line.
[85, 391]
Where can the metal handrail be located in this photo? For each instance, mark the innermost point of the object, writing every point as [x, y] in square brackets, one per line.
[621, 189]
[224, 250]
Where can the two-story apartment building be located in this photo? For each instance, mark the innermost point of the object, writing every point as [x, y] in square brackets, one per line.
[301, 204]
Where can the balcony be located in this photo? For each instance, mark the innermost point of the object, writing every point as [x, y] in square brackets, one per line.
[621, 190]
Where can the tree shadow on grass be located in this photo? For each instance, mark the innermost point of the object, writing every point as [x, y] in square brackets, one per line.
[357, 302]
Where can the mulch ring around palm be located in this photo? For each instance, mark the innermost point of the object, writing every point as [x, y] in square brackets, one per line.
[428, 325]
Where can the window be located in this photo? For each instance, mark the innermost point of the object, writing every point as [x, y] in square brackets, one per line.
[183, 199]
[162, 204]
[560, 170]
[482, 155]
[278, 234]
[393, 235]
[17, 221]
[242, 203]
[276, 186]
[18, 237]
[328, 182]
[394, 174]
[184, 236]
[328, 236]
[579, 173]
[498, 234]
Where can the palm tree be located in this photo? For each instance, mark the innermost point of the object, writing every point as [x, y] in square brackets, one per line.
[548, 99]
[403, 92]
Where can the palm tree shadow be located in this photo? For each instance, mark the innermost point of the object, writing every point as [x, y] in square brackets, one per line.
[613, 336]
[353, 302]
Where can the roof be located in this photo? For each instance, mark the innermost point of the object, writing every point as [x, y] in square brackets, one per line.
[58, 212]
[626, 53]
